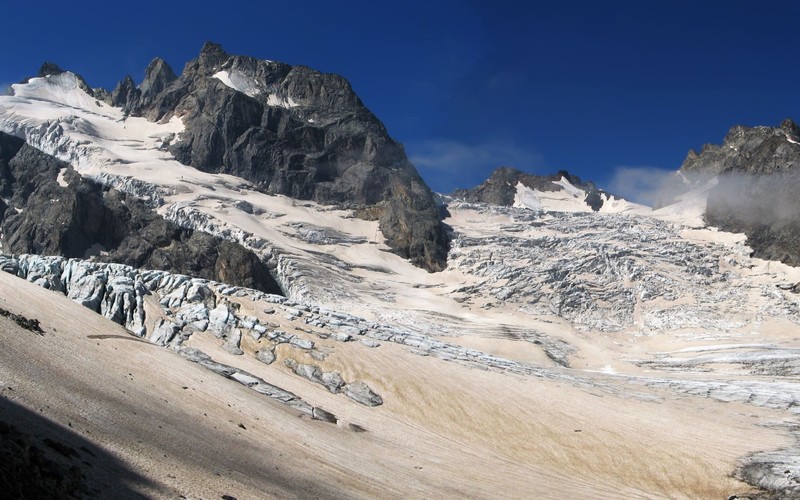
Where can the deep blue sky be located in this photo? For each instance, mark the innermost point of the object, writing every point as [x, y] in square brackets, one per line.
[592, 87]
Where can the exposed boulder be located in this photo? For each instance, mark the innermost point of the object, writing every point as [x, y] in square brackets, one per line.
[360, 392]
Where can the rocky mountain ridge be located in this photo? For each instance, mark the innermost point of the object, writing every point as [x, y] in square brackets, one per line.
[292, 131]
[501, 187]
[747, 150]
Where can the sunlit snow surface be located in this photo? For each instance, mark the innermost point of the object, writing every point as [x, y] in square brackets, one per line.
[570, 199]
[628, 292]
[239, 81]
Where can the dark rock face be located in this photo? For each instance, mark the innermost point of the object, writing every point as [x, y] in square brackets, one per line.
[125, 93]
[759, 187]
[750, 150]
[501, 187]
[157, 77]
[49, 68]
[296, 132]
[83, 218]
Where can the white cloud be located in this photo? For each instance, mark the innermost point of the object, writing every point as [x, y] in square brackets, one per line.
[640, 184]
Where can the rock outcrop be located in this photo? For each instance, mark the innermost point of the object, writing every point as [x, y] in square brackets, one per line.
[747, 150]
[58, 212]
[296, 132]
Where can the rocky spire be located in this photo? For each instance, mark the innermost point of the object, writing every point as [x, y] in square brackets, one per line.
[157, 77]
[125, 93]
[212, 55]
[791, 129]
[49, 68]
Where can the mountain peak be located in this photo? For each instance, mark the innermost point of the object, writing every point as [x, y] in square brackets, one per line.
[502, 188]
[791, 128]
[157, 77]
[212, 55]
[49, 68]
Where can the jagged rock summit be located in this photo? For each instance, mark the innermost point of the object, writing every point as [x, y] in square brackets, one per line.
[293, 131]
[748, 150]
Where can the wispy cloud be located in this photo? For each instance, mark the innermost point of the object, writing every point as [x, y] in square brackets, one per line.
[448, 164]
[641, 184]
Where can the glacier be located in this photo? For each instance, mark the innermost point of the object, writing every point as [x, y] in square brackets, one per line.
[630, 302]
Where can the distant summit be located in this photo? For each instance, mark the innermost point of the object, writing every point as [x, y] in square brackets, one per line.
[560, 191]
[751, 150]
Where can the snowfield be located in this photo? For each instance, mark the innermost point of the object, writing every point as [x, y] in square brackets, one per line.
[628, 353]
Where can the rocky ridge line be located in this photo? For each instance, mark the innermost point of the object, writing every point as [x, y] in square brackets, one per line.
[501, 187]
[293, 131]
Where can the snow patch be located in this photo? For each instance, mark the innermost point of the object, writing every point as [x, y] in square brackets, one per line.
[62, 89]
[569, 188]
[525, 197]
[60, 178]
[689, 208]
[240, 82]
[282, 102]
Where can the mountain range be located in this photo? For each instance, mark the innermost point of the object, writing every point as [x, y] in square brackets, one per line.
[279, 306]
